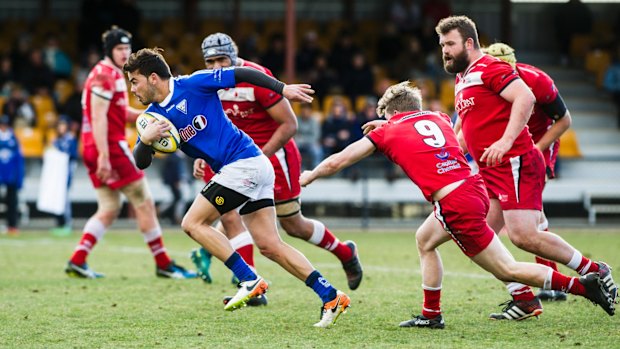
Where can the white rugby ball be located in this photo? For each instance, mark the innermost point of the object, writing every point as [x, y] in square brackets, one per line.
[168, 144]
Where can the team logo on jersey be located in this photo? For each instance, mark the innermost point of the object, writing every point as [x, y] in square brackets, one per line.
[443, 155]
[464, 104]
[182, 107]
[199, 122]
[190, 131]
[219, 200]
[187, 133]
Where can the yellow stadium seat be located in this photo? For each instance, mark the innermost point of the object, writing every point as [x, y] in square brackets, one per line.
[63, 89]
[580, 45]
[328, 101]
[131, 135]
[597, 62]
[360, 102]
[45, 110]
[50, 136]
[428, 87]
[210, 26]
[446, 93]
[30, 141]
[569, 145]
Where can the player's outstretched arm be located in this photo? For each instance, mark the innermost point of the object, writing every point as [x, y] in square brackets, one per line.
[371, 125]
[294, 92]
[336, 162]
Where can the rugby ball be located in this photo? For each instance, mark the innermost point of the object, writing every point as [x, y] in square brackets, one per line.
[168, 144]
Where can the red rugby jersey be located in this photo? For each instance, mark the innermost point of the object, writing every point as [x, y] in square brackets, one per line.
[106, 81]
[246, 106]
[424, 145]
[544, 90]
[484, 113]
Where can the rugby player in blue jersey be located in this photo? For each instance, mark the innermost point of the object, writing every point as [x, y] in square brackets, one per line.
[244, 177]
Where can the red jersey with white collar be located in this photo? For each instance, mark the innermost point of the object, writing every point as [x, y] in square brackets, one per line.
[106, 81]
[484, 113]
[424, 145]
[246, 106]
[544, 90]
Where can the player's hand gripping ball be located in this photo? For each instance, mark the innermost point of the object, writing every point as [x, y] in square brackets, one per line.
[168, 144]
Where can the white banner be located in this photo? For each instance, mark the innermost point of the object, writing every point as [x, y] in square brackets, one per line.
[53, 183]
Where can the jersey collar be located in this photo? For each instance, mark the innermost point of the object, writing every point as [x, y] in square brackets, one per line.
[472, 64]
[166, 100]
[107, 62]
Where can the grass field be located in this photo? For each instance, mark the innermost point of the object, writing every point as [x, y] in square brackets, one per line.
[41, 307]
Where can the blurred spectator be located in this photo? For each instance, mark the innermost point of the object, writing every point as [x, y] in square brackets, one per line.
[334, 131]
[342, 51]
[389, 44]
[91, 57]
[612, 81]
[435, 10]
[323, 78]
[571, 18]
[39, 77]
[410, 63]
[7, 74]
[308, 137]
[11, 172]
[308, 52]
[407, 15]
[67, 143]
[435, 105]
[57, 60]
[20, 55]
[72, 108]
[18, 109]
[174, 173]
[378, 161]
[274, 55]
[358, 79]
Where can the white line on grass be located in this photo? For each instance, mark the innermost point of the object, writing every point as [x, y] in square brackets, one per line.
[145, 251]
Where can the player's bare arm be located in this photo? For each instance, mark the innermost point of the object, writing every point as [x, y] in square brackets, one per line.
[99, 107]
[132, 114]
[293, 92]
[283, 114]
[554, 132]
[336, 162]
[458, 129]
[557, 111]
[522, 100]
[371, 125]
[199, 169]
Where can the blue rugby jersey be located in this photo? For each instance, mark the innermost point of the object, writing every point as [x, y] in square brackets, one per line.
[193, 106]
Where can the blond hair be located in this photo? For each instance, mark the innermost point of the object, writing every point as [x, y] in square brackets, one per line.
[401, 97]
[503, 52]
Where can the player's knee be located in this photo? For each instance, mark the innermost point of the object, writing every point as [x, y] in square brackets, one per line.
[292, 228]
[269, 249]
[270, 252]
[423, 243]
[107, 216]
[138, 194]
[522, 239]
[189, 226]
